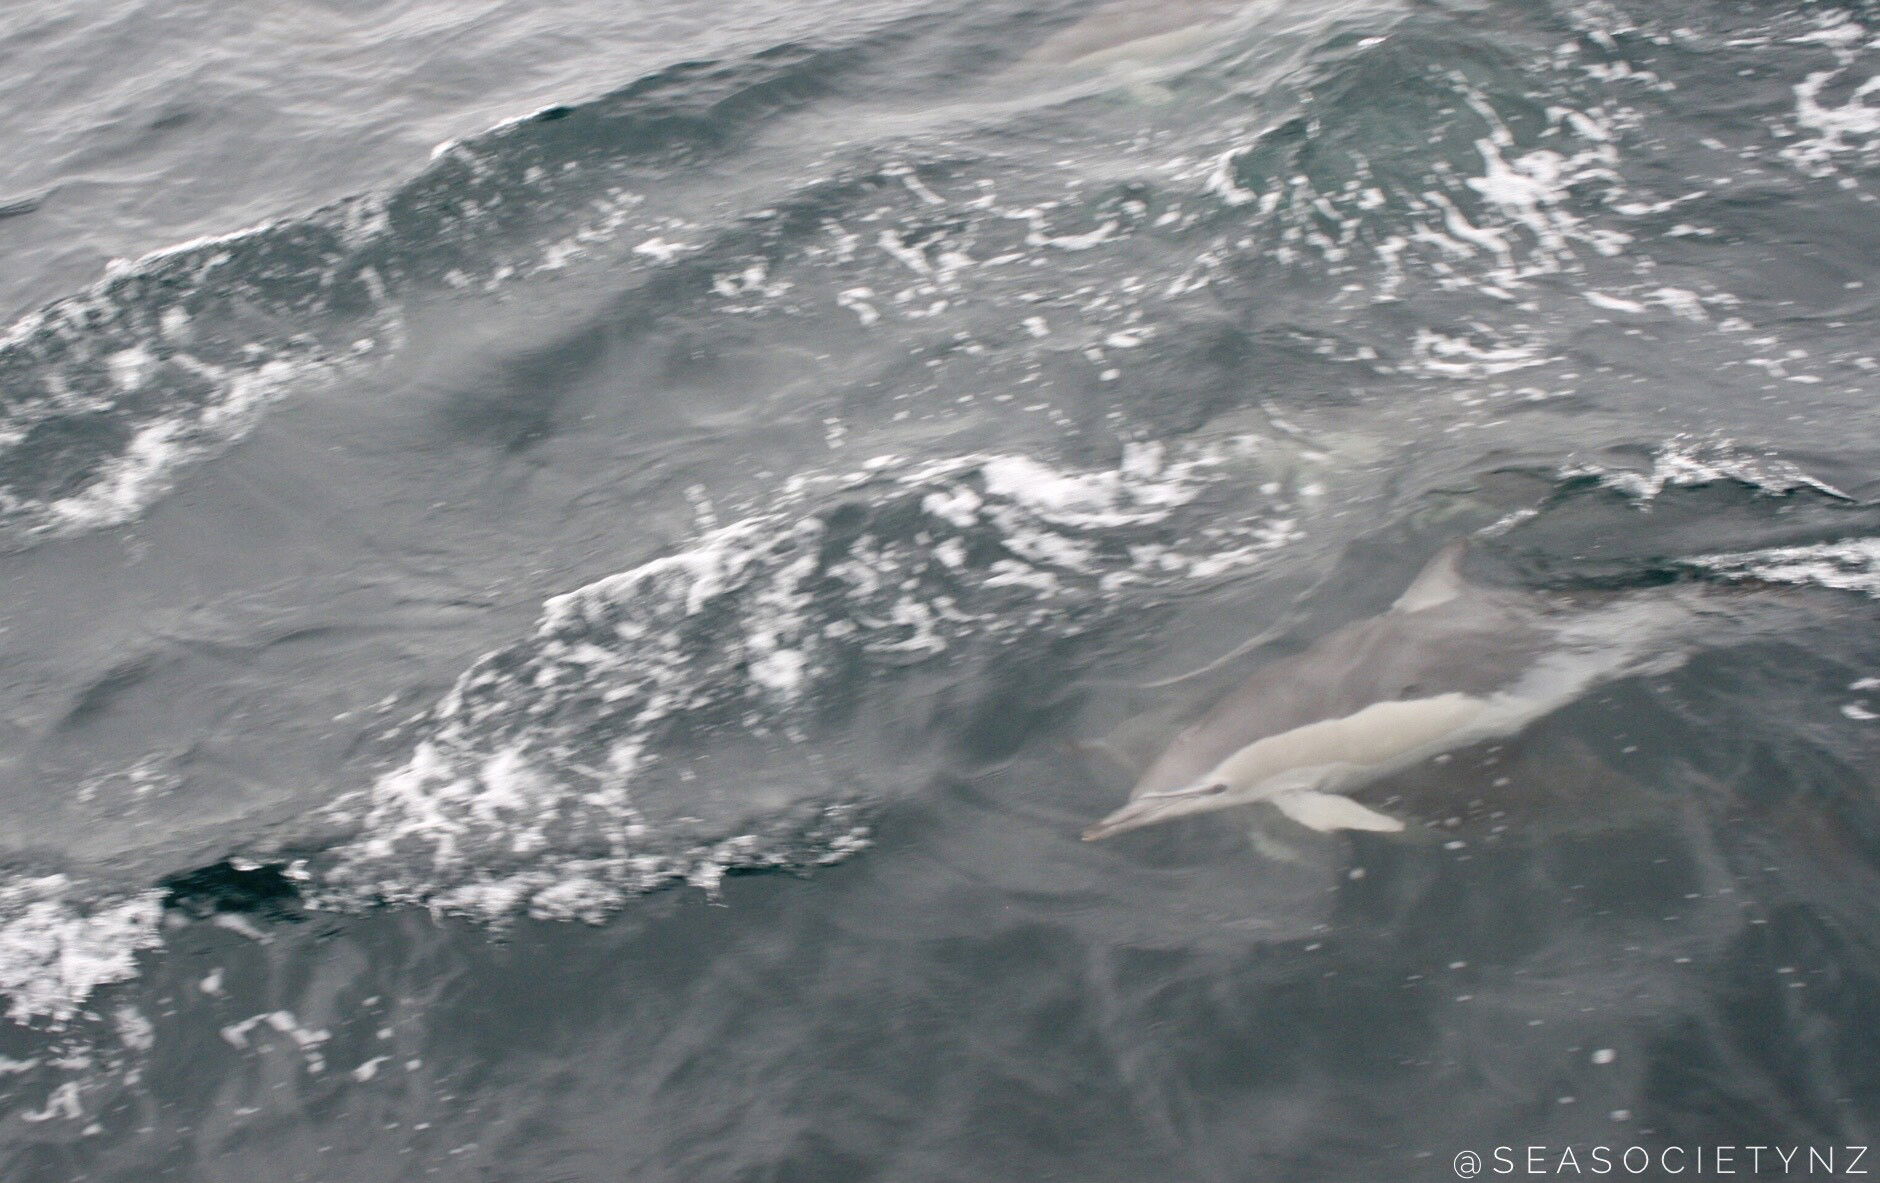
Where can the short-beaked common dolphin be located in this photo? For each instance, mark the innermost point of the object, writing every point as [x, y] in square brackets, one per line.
[1452, 663]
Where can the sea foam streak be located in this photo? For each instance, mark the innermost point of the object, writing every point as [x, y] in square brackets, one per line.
[1685, 461]
[1852, 564]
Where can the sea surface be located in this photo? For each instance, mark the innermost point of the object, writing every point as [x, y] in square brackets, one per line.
[567, 571]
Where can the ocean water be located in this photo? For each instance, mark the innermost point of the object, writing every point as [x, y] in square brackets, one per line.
[563, 569]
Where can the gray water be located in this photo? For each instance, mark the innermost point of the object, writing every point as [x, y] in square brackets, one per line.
[561, 568]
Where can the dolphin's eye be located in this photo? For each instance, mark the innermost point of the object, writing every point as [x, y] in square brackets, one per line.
[1213, 790]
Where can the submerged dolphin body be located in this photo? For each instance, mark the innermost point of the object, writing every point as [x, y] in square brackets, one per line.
[1449, 665]
[1126, 30]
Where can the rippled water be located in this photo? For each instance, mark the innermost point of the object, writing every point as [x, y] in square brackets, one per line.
[582, 652]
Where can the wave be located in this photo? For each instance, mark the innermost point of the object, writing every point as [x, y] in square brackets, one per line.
[1393, 160]
[1851, 564]
[686, 719]
[681, 721]
[105, 395]
[569, 771]
[702, 714]
[1689, 461]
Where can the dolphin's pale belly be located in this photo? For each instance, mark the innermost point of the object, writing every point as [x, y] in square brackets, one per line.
[1370, 742]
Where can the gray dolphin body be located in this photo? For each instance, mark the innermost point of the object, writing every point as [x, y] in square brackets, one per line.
[1451, 664]
[1126, 30]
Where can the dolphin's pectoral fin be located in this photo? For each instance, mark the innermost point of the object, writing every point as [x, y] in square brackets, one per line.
[1326, 812]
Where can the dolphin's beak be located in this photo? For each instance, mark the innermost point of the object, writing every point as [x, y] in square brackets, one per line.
[1147, 811]
[1125, 819]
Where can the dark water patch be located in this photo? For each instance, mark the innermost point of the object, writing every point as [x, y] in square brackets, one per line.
[265, 889]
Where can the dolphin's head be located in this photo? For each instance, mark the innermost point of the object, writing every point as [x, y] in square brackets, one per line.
[1155, 808]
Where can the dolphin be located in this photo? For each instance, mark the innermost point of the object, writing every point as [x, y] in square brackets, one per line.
[1132, 30]
[1449, 665]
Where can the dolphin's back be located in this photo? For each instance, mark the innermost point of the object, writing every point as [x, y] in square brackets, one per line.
[1116, 28]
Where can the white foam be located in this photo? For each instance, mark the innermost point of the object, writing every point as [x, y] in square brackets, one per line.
[1836, 131]
[1522, 208]
[369, 1069]
[662, 251]
[64, 1102]
[1039, 235]
[134, 1029]
[539, 782]
[54, 951]
[1443, 356]
[307, 1040]
[1688, 461]
[857, 300]
[1615, 303]
[1851, 565]
[129, 367]
[146, 468]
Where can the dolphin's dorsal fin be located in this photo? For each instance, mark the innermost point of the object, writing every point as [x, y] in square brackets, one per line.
[1439, 582]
